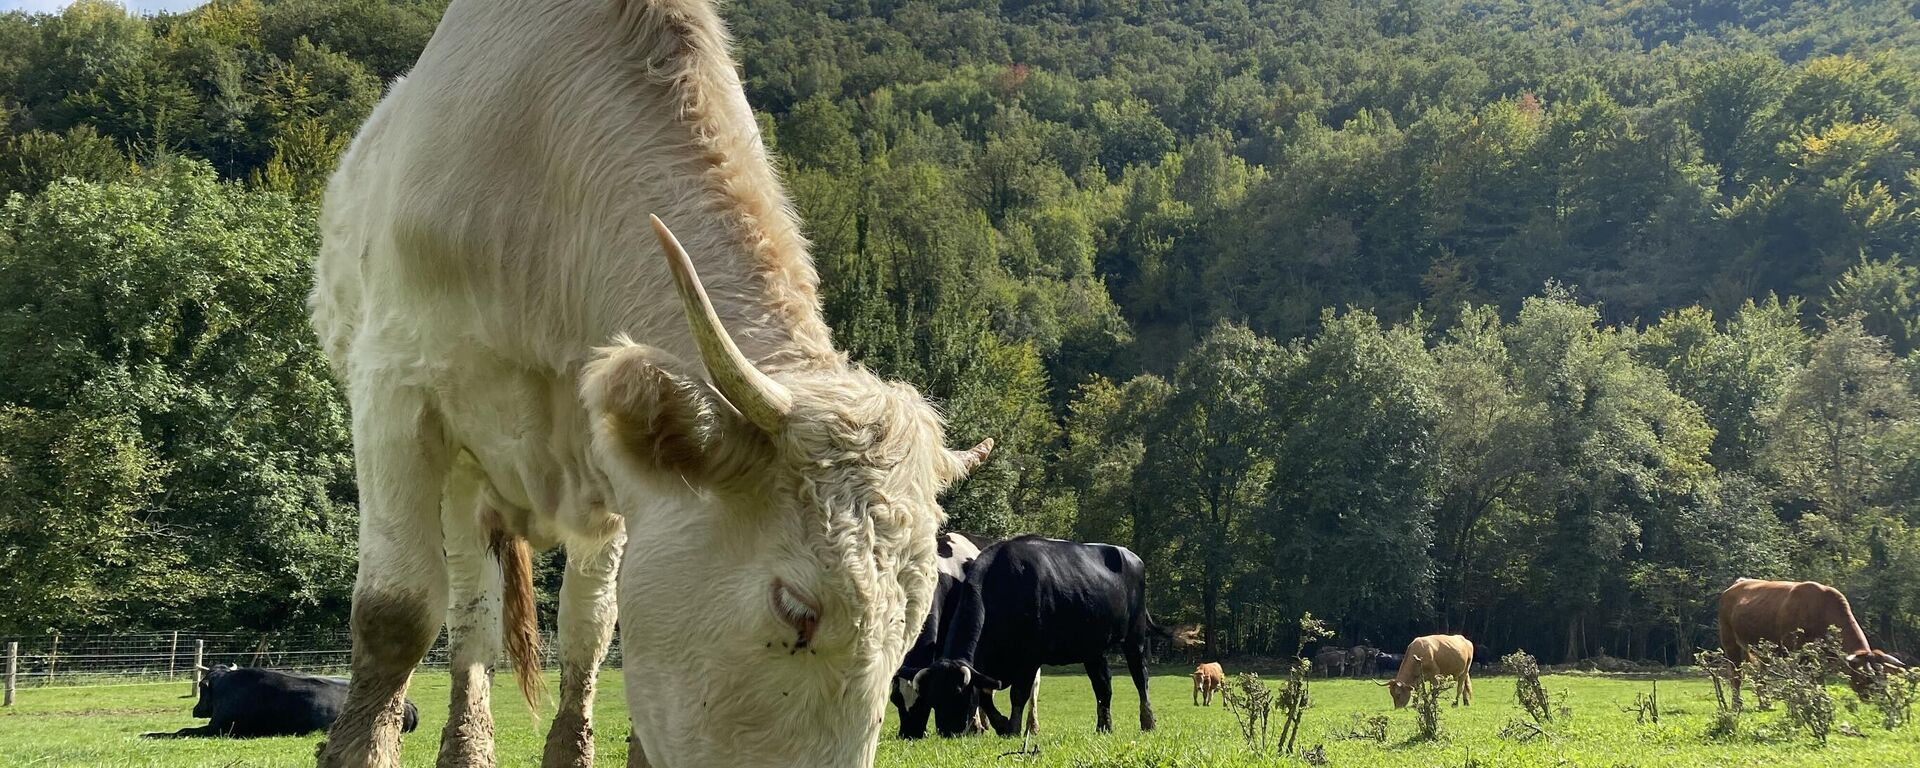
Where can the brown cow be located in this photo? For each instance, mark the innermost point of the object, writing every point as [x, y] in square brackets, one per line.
[1432, 656]
[1207, 678]
[1789, 614]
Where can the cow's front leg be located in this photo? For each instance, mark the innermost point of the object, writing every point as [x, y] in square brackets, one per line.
[588, 608]
[1102, 679]
[1001, 725]
[473, 624]
[187, 733]
[1019, 694]
[401, 458]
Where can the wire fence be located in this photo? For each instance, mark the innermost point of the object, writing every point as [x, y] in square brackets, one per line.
[144, 658]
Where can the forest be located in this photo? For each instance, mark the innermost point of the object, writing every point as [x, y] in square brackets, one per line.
[1539, 321]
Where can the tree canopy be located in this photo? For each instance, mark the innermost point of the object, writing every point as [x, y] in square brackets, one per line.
[1540, 321]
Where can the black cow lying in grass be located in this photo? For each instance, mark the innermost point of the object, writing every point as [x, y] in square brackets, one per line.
[246, 702]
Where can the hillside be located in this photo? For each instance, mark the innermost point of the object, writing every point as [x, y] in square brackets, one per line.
[1542, 320]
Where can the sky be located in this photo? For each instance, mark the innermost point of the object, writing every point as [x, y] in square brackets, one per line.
[138, 6]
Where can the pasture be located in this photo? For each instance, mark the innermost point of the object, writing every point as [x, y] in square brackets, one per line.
[100, 726]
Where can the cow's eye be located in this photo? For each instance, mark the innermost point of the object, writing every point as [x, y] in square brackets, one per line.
[798, 609]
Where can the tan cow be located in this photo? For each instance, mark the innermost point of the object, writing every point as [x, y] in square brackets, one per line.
[1429, 657]
[1207, 678]
[1791, 613]
[526, 349]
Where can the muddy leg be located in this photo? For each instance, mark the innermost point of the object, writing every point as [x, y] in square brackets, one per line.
[473, 625]
[587, 613]
[401, 458]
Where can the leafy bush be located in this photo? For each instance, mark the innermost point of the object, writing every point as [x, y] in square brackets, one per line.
[1798, 679]
[1527, 690]
[1426, 705]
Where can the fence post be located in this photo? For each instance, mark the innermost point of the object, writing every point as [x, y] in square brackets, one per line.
[13, 669]
[199, 656]
[52, 655]
[173, 654]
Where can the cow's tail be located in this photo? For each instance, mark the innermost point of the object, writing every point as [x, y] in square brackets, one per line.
[521, 621]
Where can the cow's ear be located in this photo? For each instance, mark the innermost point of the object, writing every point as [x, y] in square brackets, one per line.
[656, 416]
[985, 683]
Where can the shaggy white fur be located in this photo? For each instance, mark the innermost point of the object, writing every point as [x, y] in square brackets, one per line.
[486, 231]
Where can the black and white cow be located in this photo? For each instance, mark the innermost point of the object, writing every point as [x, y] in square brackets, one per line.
[246, 702]
[1034, 601]
[956, 551]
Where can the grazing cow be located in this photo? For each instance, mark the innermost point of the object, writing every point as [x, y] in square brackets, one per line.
[1034, 601]
[1362, 660]
[956, 551]
[523, 345]
[1791, 613]
[1207, 678]
[1432, 656]
[1332, 662]
[250, 702]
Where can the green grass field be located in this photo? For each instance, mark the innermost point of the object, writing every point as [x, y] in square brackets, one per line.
[100, 726]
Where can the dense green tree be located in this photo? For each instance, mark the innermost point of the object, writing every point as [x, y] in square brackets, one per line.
[1107, 234]
[1208, 453]
[1349, 512]
[173, 436]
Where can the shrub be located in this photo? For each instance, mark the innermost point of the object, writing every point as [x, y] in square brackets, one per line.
[1426, 705]
[1251, 702]
[1367, 727]
[1798, 679]
[1893, 693]
[1527, 690]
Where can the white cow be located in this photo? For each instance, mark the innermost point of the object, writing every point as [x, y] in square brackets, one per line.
[487, 230]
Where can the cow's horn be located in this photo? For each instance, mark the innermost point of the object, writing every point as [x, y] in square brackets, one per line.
[762, 400]
[917, 676]
[971, 458]
[1384, 683]
[966, 675]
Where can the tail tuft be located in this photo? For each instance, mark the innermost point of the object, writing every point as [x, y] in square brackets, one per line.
[521, 622]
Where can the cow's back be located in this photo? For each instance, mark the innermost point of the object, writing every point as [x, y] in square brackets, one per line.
[498, 196]
[1786, 613]
[261, 702]
[488, 229]
[1440, 655]
[1050, 601]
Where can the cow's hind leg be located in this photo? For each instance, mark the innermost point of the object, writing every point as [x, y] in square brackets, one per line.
[473, 624]
[401, 459]
[1102, 679]
[588, 607]
[1137, 666]
[1033, 706]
